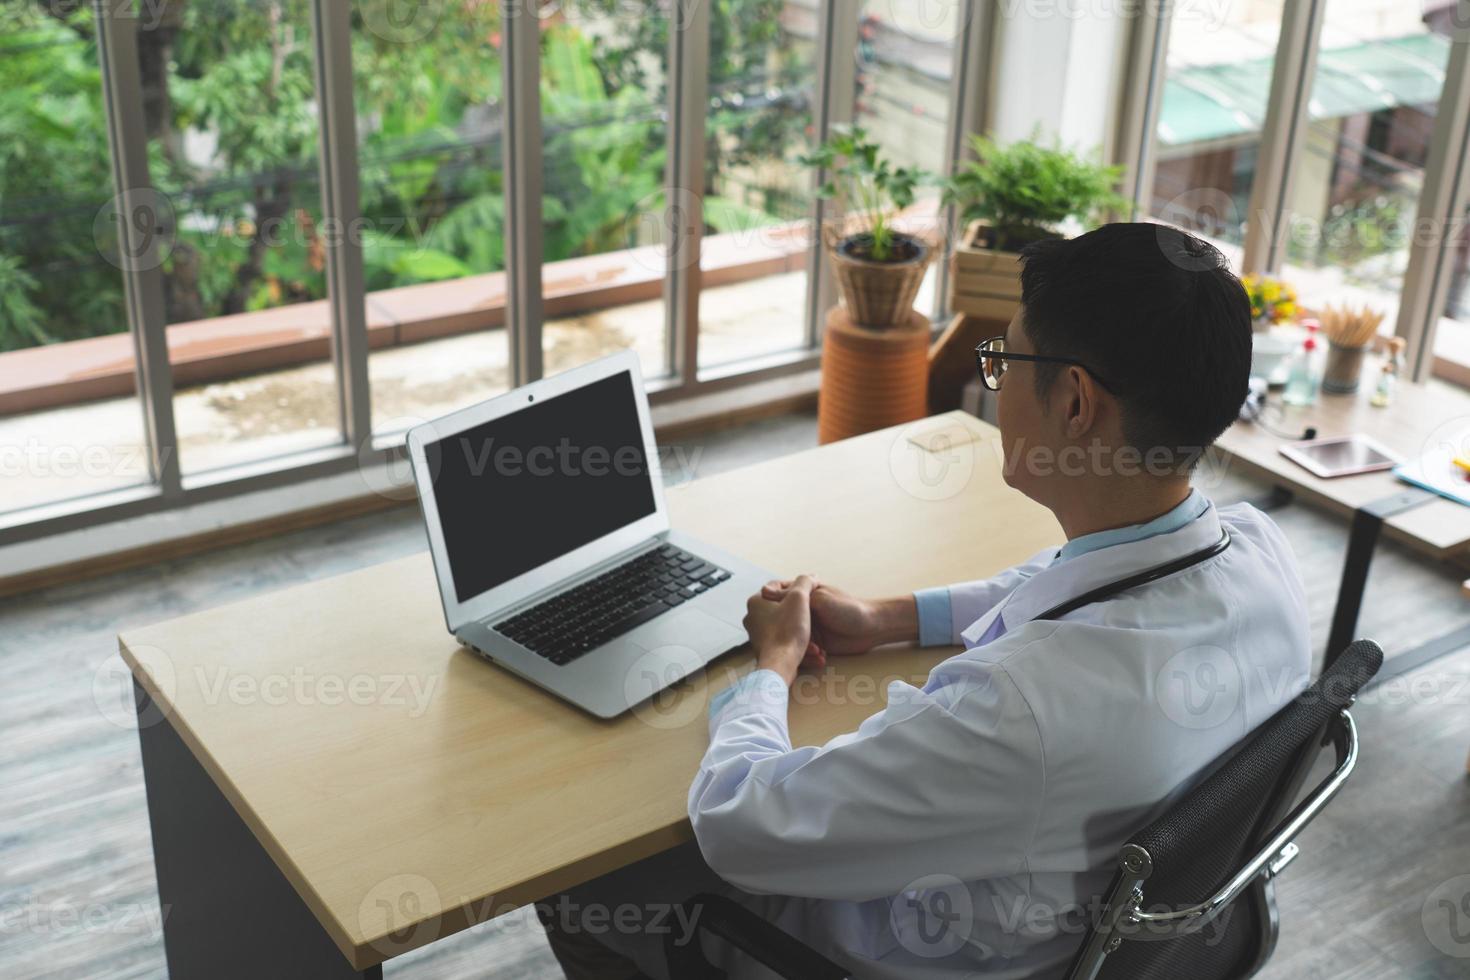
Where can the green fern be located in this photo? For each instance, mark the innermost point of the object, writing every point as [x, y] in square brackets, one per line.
[1025, 190]
[21, 322]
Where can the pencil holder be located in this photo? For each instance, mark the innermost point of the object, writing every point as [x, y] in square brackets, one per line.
[1343, 370]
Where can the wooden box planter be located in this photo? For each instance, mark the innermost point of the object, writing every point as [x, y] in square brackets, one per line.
[983, 282]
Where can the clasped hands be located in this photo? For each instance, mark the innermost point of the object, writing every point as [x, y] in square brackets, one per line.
[801, 622]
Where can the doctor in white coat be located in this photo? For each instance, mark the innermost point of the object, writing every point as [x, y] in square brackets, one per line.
[970, 827]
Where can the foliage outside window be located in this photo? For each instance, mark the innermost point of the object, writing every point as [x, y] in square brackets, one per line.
[229, 106]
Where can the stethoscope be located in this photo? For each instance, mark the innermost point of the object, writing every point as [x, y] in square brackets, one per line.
[1140, 578]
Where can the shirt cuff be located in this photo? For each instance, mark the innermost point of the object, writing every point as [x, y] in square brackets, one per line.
[935, 625]
[761, 690]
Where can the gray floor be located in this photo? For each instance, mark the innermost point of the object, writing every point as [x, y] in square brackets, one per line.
[76, 882]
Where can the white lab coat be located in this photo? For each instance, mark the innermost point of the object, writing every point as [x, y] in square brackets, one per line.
[962, 830]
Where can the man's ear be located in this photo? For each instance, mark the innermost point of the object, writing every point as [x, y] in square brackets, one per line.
[1082, 402]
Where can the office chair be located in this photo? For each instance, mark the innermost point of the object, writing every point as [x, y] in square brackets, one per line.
[1216, 851]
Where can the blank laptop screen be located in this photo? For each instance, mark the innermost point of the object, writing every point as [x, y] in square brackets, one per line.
[530, 486]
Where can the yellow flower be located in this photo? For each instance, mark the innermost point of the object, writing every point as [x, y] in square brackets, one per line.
[1271, 291]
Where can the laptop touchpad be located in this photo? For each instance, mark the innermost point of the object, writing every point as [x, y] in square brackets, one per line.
[690, 628]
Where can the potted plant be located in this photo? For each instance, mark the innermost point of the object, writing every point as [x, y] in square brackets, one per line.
[878, 268]
[1008, 197]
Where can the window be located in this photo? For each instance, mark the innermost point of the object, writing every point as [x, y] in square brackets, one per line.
[758, 201]
[604, 94]
[904, 66]
[230, 107]
[1380, 69]
[427, 92]
[1216, 87]
[69, 423]
[245, 124]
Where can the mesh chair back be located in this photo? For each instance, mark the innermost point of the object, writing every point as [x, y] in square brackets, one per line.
[1201, 842]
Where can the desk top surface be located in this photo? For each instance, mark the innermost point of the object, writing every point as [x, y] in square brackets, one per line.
[408, 789]
[1419, 414]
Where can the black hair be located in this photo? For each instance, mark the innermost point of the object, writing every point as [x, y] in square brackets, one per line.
[1153, 312]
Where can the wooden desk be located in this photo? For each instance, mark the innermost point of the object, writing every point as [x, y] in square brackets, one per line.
[1377, 501]
[313, 815]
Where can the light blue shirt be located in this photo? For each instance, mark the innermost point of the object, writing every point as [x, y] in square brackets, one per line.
[934, 604]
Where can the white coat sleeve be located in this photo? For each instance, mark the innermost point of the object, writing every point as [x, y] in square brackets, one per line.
[968, 601]
[948, 779]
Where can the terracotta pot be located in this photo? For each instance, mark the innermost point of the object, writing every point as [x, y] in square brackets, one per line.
[879, 294]
[872, 379]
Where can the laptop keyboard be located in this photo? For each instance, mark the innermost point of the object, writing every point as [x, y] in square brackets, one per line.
[569, 624]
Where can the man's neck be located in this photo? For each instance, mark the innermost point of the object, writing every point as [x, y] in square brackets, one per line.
[1106, 505]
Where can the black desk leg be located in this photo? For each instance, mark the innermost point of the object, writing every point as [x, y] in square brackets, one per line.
[227, 910]
[1362, 539]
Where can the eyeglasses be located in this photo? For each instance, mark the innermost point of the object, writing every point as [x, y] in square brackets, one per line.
[991, 357]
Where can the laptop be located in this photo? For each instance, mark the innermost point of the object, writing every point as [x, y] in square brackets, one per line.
[551, 543]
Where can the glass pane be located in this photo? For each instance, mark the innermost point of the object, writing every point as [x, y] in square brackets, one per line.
[905, 60]
[70, 423]
[604, 126]
[1356, 190]
[427, 87]
[1216, 87]
[757, 197]
[229, 101]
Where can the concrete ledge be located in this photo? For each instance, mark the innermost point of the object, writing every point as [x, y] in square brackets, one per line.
[224, 347]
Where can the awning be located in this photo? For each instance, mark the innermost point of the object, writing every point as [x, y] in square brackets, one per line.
[1212, 102]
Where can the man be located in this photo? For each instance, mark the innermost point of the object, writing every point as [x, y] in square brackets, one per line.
[967, 829]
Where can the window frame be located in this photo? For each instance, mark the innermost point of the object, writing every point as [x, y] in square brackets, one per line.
[360, 446]
[1442, 203]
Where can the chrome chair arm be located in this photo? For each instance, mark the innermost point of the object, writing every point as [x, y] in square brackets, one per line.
[1276, 854]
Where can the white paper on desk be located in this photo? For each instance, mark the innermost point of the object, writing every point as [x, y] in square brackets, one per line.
[1436, 471]
[944, 434]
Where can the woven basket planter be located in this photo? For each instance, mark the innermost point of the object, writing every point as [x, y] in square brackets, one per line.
[878, 295]
[983, 282]
[872, 379]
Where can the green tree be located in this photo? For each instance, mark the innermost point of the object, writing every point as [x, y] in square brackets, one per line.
[54, 178]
